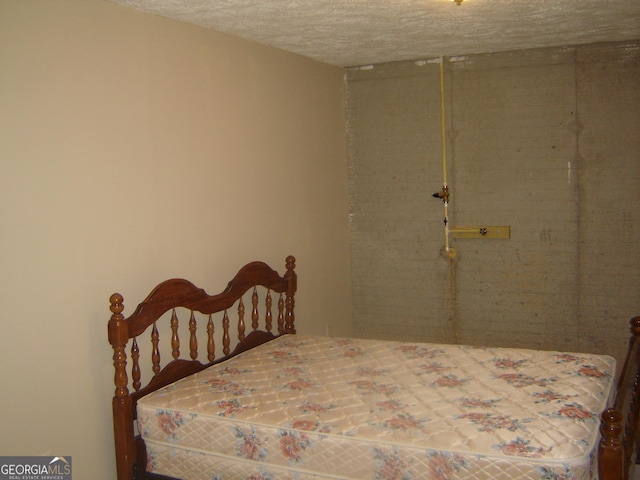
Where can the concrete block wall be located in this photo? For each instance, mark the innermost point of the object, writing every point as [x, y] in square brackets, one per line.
[546, 141]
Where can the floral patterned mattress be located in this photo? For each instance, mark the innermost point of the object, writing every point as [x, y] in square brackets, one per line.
[326, 408]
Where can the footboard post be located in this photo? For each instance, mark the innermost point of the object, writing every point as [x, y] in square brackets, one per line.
[122, 407]
[631, 440]
[611, 451]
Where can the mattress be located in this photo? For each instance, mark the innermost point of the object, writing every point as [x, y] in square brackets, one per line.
[317, 408]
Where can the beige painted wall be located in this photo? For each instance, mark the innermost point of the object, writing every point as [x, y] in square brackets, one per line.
[135, 149]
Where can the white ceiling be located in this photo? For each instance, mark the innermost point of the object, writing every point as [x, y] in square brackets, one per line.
[362, 32]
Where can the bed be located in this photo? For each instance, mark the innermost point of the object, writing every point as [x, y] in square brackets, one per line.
[248, 399]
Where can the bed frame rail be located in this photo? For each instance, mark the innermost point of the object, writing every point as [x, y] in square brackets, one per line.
[618, 450]
[164, 302]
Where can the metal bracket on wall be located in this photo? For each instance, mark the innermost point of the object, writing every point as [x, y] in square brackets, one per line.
[481, 232]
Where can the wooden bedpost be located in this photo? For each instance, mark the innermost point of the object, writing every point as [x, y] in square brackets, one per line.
[630, 436]
[122, 407]
[619, 424]
[292, 278]
[611, 451]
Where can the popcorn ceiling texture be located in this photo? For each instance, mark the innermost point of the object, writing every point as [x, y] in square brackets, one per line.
[357, 32]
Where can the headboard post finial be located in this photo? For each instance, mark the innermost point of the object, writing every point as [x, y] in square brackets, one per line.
[633, 339]
[635, 326]
[291, 263]
[117, 305]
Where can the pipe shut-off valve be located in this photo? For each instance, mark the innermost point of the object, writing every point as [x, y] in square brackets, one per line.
[443, 194]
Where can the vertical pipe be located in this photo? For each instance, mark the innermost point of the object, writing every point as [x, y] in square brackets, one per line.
[445, 188]
[449, 252]
[442, 121]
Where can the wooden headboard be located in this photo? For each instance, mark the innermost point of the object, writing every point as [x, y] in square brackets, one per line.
[271, 300]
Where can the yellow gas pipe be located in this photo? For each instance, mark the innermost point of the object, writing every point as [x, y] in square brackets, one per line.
[444, 194]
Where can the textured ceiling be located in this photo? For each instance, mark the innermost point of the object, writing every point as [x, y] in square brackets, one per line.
[362, 32]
